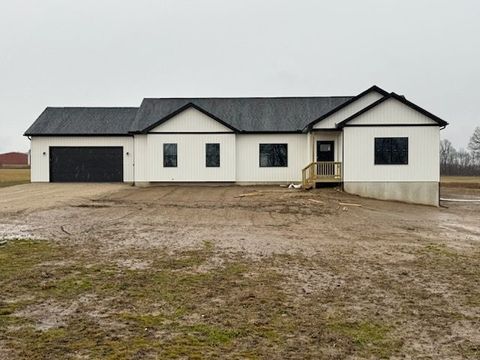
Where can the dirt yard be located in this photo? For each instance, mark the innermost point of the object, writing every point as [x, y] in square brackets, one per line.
[113, 271]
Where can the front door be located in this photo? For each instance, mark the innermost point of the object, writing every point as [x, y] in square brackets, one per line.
[325, 150]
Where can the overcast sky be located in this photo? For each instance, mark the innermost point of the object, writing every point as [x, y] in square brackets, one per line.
[114, 53]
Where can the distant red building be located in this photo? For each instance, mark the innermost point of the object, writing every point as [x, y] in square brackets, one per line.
[13, 159]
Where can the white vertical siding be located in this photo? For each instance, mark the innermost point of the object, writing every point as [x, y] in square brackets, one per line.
[349, 110]
[40, 168]
[392, 111]
[141, 158]
[248, 158]
[191, 120]
[191, 159]
[423, 157]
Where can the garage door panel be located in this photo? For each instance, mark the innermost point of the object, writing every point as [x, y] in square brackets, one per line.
[86, 164]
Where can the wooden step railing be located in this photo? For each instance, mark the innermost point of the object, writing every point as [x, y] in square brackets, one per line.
[321, 171]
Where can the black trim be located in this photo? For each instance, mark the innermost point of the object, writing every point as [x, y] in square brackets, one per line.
[387, 125]
[85, 135]
[397, 97]
[324, 129]
[183, 108]
[348, 102]
[273, 132]
[133, 133]
[228, 132]
[189, 132]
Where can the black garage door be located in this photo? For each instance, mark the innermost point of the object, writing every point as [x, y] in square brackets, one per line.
[86, 164]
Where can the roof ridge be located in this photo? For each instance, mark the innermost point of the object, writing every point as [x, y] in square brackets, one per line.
[249, 97]
[93, 107]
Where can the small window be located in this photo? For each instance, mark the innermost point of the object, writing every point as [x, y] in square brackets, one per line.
[391, 151]
[169, 155]
[325, 147]
[273, 155]
[212, 155]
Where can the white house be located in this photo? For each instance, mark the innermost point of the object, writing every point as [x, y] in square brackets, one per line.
[375, 144]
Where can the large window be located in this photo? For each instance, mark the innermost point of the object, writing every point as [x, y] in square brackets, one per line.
[391, 151]
[212, 155]
[273, 155]
[169, 155]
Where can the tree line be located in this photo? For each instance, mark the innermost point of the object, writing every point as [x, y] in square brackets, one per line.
[462, 162]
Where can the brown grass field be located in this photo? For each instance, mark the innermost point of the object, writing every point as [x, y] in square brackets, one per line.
[472, 182]
[10, 177]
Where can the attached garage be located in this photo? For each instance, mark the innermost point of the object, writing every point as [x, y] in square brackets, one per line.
[86, 164]
[82, 145]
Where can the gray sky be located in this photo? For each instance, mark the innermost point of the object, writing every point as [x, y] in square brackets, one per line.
[114, 53]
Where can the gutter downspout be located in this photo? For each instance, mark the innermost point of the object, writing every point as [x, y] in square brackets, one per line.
[133, 160]
[439, 174]
[343, 161]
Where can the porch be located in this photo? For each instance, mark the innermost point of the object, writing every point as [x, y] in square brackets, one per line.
[326, 153]
[321, 172]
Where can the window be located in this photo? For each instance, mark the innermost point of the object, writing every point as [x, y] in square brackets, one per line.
[391, 151]
[273, 155]
[169, 155]
[212, 155]
[325, 147]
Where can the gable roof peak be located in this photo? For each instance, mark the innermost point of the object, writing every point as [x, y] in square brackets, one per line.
[400, 98]
[346, 103]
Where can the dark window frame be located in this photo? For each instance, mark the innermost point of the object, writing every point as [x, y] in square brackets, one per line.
[170, 160]
[391, 150]
[274, 150]
[216, 162]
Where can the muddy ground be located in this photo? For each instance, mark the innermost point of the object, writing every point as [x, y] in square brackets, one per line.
[385, 279]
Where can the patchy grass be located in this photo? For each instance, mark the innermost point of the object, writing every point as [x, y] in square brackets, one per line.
[10, 177]
[169, 310]
[239, 309]
[370, 337]
[440, 249]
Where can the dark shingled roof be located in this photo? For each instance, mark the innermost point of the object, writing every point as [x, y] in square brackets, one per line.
[282, 114]
[83, 121]
[246, 114]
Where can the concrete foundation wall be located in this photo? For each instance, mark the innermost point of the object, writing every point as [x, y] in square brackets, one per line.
[426, 193]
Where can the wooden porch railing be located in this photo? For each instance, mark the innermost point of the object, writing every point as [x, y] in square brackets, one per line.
[321, 171]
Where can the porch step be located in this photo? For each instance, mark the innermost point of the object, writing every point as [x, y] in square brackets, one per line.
[308, 186]
[321, 172]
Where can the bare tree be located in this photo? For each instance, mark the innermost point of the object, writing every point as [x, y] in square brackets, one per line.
[474, 145]
[461, 162]
[446, 150]
[464, 159]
